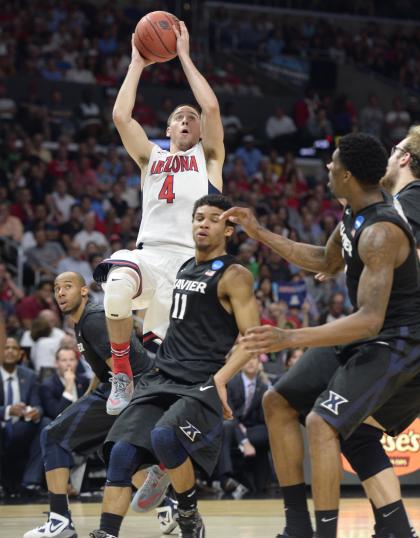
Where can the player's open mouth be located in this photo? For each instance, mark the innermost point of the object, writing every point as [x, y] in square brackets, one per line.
[184, 131]
[202, 234]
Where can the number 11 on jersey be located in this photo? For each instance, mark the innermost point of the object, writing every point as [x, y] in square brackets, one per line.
[180, 304]
[167, 190]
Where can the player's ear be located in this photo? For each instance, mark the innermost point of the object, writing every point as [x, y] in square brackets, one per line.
[85, 291]
[229, 231]
[168, 131]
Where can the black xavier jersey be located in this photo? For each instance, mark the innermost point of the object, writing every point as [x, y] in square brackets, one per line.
[409, 198]
[404, 302]
[93, 342]
[201, 331]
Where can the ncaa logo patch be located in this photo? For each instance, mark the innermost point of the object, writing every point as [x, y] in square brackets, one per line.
[333, 402]
[217, 264]
[80, 347]
[190, 431]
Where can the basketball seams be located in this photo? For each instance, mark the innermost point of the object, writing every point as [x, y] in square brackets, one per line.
[152, 24]
[172, 21]
[145, 47]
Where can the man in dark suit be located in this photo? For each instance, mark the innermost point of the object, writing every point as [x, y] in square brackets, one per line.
[21, 422]
[65, 386]
[247, 431]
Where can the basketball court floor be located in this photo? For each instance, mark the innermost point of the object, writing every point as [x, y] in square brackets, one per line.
[224, 519]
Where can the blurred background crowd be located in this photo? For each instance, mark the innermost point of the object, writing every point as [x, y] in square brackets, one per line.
[290, 81]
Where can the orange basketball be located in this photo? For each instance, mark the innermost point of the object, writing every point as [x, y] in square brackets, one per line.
[154, 37]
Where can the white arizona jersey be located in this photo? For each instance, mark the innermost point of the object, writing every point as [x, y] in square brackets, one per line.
[173, 182]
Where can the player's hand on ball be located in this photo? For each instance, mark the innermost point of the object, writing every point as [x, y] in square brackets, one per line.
[244, 217]
[265, 339]
[136, 57]
[182, 39]
[222, 392]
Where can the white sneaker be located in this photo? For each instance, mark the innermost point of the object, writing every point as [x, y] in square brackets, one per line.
[167, 514]
[152, 492]
[121, 393]
[57, 525]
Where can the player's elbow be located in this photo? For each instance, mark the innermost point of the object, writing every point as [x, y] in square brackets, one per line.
[211, 107]
[372, 325]
[119, 117]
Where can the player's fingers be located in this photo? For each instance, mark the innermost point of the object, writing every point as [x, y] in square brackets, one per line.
[231, 213]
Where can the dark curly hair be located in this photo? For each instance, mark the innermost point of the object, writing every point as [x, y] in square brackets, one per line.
[364, 156]
[214, 200]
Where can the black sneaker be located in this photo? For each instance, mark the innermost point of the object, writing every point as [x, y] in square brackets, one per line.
[191, 524]
[100, 534]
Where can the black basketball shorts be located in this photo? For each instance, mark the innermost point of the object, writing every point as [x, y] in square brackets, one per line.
[83, 426]
[194, 411]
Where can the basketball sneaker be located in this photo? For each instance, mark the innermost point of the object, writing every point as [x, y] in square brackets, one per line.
[152, 492]
[57, 525]
[191, 524]
[122, 389]
[100, 534]
[167, 514]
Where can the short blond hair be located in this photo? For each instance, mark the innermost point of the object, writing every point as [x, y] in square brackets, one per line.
[194, 107]
[412, 145]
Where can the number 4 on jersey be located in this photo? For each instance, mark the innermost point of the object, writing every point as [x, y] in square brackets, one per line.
[167, 190]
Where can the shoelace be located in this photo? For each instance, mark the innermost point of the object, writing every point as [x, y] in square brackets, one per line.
[152, 479]
[119, 384]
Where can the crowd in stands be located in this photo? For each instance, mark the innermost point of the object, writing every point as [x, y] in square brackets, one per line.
[394, 53]
[69, 196]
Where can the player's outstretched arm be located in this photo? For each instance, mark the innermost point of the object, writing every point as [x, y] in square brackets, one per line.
[132, 134]
[326, 259]
[211, 122]
[379, 248]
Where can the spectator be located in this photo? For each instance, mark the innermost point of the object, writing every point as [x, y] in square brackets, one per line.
[397, 121]
[79, 73]
[74, 225]
[89, 115]
[59, 116]
[10, 226]
[75, 263]
[279, 125]
[89, 234]
[247, 431]
[46, 337]
[319, 126]
[249, 154]
[62, 201]
[21, 423]
[46, 255]
[372, 117]
[23, 207]
[336, 309]
[292, 356]
[65, 386]
[247, 259]
[30, 307]
[7, 106]
[232, 124]
[10, 293]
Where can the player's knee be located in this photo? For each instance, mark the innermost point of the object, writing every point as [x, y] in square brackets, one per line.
[274, 403]
[121, 286]
[365, 453]
[318, 428]
[168, 449]
[123, 463]
[54, 455]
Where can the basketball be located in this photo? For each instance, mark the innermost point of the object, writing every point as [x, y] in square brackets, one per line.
[154, 37]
